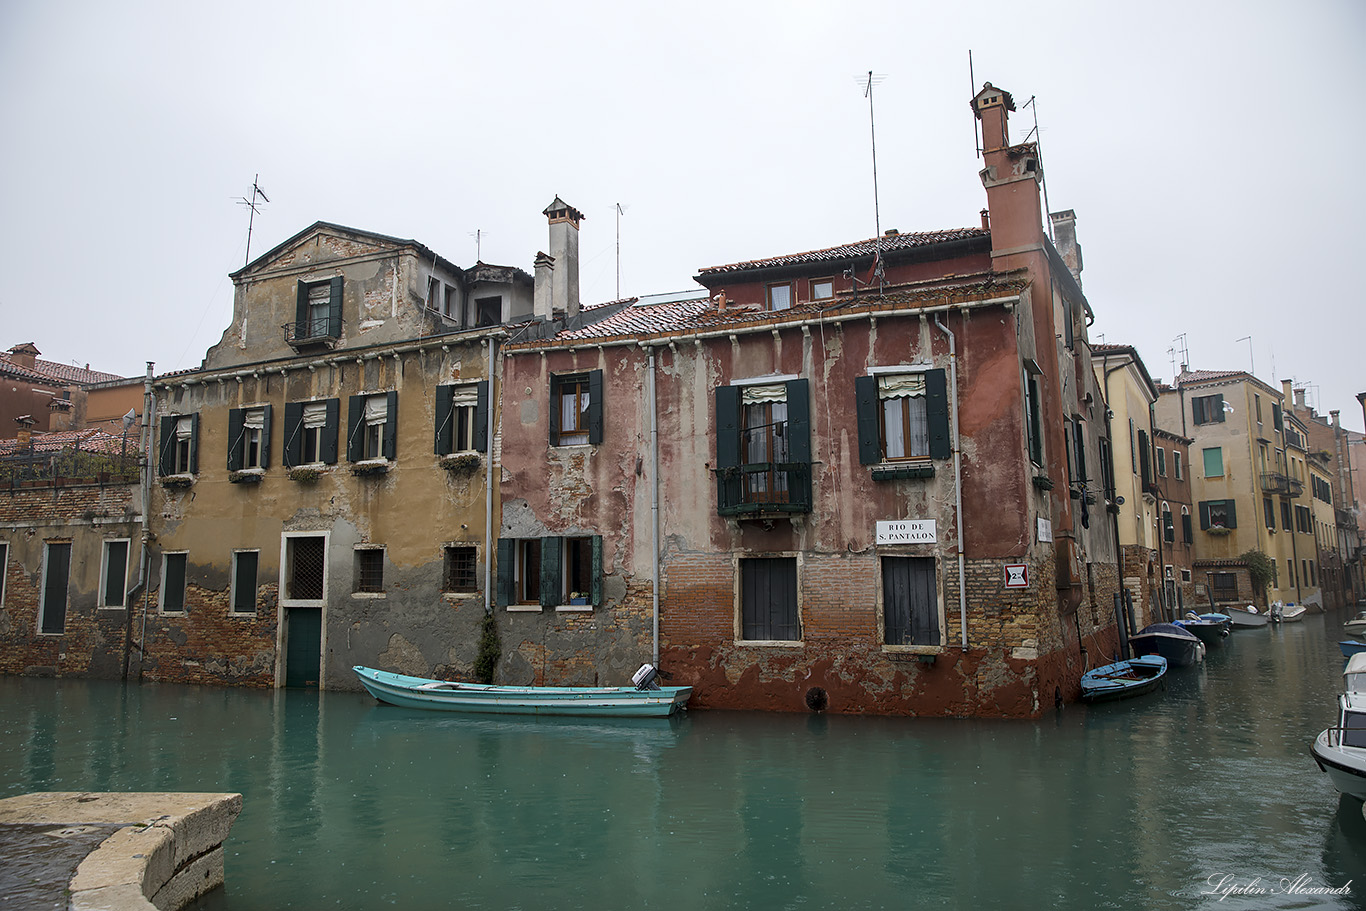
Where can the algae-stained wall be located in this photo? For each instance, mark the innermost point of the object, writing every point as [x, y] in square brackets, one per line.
[408, 507]
[90, 636]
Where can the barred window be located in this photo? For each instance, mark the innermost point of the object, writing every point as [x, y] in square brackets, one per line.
[370, 570]
[460, 569]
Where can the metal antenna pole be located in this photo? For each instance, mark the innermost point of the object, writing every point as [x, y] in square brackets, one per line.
[618, 206]
[1251, 360]
[972, 93]
[251, 204]
[1038, 150]
[878, 271]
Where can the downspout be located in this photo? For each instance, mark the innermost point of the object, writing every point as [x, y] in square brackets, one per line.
[654, 503]
[1114, 516]
[149, 406]
[488, 492]
[145, 492]
[957, 483]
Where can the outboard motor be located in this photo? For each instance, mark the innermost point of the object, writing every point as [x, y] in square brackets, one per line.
[646, 678]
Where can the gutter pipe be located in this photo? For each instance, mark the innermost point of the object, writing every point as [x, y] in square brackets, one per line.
[488, 491]
[957, 483]
[654, 503]
[149, 406]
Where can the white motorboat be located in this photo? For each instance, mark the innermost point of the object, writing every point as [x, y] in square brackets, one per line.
[1356, 627]
[1246, 617]
[1287, 613]
[1354, 677]
[1341, 751]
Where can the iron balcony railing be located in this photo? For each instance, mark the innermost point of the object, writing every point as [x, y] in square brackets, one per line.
[1284, 484]
[320, 331]
[764, 488]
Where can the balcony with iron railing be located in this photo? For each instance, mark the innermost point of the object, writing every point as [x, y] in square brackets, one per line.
[1283, 484]
[313, 333]
[764, 489]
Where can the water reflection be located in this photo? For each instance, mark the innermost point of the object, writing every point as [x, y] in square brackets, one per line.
[351, 804]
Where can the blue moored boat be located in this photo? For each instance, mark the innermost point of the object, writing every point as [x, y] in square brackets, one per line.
[1351, 647]
[1132, 677]
[1180, 647]
[451, 696]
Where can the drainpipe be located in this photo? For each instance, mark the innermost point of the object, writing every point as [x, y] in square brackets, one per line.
[957, 482]
[145, 492]
[488, 492]
[654, 501]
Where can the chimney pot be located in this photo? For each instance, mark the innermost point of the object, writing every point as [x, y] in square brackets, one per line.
[986, 220]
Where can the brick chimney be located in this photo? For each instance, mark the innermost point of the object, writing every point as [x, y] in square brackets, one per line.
[24, 355]
[541, 294]
[564, 249]
[1011, 176]
[1065, 239]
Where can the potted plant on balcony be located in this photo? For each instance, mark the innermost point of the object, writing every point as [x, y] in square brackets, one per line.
[305, 474]
[461, 464]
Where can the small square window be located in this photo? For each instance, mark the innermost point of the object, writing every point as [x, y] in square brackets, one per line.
[822, 289]
[370, 570]
[460, 568]
[527, 572]
[780, 296]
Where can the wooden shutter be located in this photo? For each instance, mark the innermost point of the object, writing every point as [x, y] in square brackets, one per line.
[390, 433]
[331, 431]
[507, 556]
[1035, 429]
[294, 424]
[1186, 534]
[355, 423]
[445, 395]
[166, 452]
[236, 422]
[867, 406]
[1217, 409]
[595, 593]
[1204, 514]
[552, 582]
[194, 443]
[265, 436]
[554, 411]
[595, 406]
[728, 486]
[56, 581]
[334, 309]
[799, 420]
[1231, 509]
[301, 329]
[937, 414]
[481, 417]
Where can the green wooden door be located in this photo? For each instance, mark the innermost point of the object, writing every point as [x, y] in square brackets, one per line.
[303, 646]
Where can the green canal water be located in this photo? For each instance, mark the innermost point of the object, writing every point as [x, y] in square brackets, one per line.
[349, 804]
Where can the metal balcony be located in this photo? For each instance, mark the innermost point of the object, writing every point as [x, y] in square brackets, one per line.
[313, 333]
[1283, 484]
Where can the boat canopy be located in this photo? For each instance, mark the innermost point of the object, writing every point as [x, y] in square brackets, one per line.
[1355, 674]
[1354, 720]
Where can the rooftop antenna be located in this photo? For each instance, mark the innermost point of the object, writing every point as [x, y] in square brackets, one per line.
[972, 93]
[1038, 149]
[620, 212]
[878, 271]
[1250, 358]
[251, 204]
[1181, 349]
[478, 236]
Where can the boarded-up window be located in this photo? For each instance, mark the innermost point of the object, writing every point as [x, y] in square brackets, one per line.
[910, 602]
[768, 599]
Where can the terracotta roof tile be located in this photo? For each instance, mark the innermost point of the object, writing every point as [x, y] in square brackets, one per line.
[91, 440]
[889, 243]
[53, 373]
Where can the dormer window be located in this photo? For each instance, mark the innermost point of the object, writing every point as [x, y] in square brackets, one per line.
[780, 296]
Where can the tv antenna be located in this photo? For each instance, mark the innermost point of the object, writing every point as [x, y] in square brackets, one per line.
[1038, 152]
[252, 205]
[972, 93]
[478, 235]
[869, 82]
[620, 212]
[1251, 358]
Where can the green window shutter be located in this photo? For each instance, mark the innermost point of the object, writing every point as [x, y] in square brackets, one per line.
[445, 395]
[799, 420]
[1204, 515]
[334, 309]
[728, 483]
[1231, 508]
[596, 591]
[355, 438]
[301, 311]
[294, 424]
[1035, 428]
[1217, 408]
[552, 586]
[194, 443]
[236, 420]
[1186, 535]
[937, 414]
[331, 432]
[481, 418]
[265, 436]
[506, 558]
[867, 406]
[166, 453]
[390, 434]
[554, 411]
[595, 406]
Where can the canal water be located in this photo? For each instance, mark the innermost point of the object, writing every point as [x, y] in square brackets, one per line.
[1172, 801]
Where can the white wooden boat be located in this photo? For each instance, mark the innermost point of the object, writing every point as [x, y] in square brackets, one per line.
[452, 696]
[1246, 617]
[1356, 627]
[1341, 751]
[1123, 679]
[1354, 675]
[1287, 613]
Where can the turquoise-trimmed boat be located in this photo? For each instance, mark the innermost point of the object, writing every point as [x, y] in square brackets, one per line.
[451, 696]
[1123, 679]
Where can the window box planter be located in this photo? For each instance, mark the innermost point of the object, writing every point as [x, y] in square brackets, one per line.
[370, 468]
[893, 471]
[462, 464]
[1219, 530]
[305, 475]
[578, 600]
[177, 481]
[246, 476]
[1043, 482]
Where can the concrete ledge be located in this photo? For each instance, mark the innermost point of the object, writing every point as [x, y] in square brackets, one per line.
[167, 852]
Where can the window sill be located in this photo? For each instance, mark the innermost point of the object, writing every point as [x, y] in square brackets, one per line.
[369, 596]
[575, 608]
[913, 649]
[177, 481]
[172, 613]
[524, 608]
[583, 445]
[370, 467]
[770, 643]
[889, 471]
[237, 615]
[112, 607]
[247, 476]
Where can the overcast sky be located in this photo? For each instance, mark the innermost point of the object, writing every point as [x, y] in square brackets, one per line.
[1210, 150]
